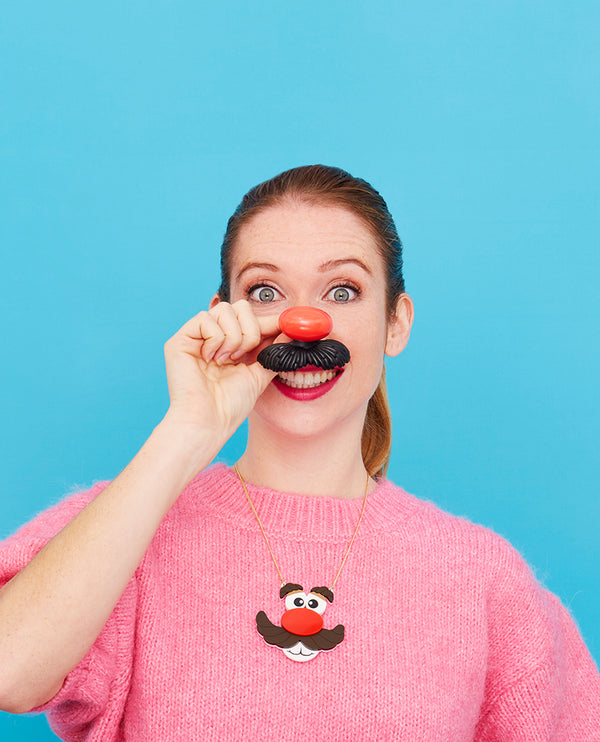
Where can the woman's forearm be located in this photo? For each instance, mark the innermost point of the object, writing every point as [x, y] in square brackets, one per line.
[53, 610]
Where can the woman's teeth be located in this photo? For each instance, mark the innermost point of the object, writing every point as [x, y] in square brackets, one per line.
[306, 379]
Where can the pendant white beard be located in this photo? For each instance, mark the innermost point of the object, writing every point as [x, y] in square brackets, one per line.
[300, 653]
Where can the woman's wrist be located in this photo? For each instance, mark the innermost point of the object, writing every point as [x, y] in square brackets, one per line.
[186, 444]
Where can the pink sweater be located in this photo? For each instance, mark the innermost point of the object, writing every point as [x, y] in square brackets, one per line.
[448, 636]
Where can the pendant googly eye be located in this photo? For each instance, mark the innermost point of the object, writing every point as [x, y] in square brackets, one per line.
[295, 600]
[316, 603]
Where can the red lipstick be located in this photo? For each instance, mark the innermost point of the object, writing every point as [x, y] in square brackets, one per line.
[306, 395]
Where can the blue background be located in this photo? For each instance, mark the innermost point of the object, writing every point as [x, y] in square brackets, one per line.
[129, 133]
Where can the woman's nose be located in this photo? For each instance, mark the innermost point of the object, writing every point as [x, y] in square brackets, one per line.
[305, 323]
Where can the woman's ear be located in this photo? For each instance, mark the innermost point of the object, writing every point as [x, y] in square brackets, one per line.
[214, 301]
[398, 330]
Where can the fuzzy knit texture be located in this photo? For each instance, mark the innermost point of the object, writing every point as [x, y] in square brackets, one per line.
[448, 634]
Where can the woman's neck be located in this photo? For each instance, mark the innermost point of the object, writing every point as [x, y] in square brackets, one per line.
[320, 465]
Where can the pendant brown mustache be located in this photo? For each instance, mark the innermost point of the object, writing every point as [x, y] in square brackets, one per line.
[325, 354]
[301, 635]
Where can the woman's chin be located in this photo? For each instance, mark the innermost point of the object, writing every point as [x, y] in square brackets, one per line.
[304, 413]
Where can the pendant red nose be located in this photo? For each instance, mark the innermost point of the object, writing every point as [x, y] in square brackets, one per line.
[305, 323]
[302, 621]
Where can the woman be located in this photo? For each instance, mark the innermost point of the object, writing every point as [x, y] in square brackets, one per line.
[186, 602]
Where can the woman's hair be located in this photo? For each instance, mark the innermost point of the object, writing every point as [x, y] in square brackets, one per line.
[320, 184]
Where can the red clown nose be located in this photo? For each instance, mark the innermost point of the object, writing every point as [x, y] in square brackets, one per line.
[305, 323]
[302, 621]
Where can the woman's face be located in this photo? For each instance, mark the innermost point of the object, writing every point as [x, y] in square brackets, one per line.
[300, 254]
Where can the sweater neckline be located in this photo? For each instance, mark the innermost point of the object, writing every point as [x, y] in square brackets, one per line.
[284, 514]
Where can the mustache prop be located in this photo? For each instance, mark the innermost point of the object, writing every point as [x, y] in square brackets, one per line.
[325, 354]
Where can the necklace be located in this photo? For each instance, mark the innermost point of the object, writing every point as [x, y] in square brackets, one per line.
[301, 635]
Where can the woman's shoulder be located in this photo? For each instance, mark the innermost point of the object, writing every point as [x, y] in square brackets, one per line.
[49, 521]
[459, 538]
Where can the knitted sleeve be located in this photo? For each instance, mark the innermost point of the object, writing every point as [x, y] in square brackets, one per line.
[542, 684]
[94, 692]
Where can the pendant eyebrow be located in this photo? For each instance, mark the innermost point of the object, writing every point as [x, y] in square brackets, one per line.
[324, 592]
[290, 587]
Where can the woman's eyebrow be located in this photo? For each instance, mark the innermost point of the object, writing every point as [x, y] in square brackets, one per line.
[260, 266]
[330, 264]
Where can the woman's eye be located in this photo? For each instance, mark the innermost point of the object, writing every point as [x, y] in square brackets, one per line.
[342, 293]
[263, 294]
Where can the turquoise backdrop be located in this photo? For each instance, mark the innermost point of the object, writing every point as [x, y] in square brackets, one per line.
[129, 132]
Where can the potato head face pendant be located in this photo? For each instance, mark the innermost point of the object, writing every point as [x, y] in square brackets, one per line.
[301, 635]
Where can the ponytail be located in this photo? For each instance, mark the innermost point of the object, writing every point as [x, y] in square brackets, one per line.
[377, 431]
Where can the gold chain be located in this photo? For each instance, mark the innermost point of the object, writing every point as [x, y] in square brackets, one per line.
[262, 530]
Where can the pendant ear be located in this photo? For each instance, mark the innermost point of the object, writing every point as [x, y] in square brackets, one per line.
[290, 587]
[325, 592]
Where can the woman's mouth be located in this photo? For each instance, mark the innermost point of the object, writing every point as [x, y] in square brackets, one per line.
[308, 383]
[306, 380]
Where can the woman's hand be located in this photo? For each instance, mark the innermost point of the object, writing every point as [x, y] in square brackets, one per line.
[214, 379]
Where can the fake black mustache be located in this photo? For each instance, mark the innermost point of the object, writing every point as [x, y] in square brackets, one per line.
[325, 354]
